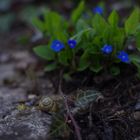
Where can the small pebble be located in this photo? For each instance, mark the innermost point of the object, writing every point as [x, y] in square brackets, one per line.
[137, 106]
[4, 58]
[138, 138]
[136, 115]
[31, 96]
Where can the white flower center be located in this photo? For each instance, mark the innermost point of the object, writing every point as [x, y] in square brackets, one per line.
[123, 57]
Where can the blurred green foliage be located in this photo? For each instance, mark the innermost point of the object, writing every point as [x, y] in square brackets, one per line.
[6, 21]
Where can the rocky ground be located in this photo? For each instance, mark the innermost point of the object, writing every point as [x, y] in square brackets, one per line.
[16, 89]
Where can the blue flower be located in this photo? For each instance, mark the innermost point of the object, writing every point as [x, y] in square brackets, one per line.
[107, 49]
[98, 10]
[72, 43]
[57, 45]
[123, 56]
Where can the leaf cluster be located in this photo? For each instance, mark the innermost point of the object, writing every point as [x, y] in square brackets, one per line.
[91, 34]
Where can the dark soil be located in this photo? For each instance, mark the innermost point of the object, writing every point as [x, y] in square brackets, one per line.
[116, 115]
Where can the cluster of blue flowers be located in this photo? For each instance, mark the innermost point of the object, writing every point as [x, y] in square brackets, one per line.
[57, 45]
[122, 55]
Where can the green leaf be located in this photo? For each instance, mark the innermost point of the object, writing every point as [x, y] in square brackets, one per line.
[81, 25]
[67, 77]
[38, 24]
[107, 35]
[23, 39]
[59, 127]
[93, 50]
[80, 34]
[63, 58]
[96, 68]
[55, 25]
[50, 67]
[78, 12]
[91, 34]
[115, 70]
[118, 38]
[99, 23]
[135, 58]
[132, 22]
[44, 52]
[113, 19]
[85, 97]
[138, 40]
[84, 61]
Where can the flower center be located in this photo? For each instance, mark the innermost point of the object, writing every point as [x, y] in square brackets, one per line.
[58, 45]
[107, 50]
[123, 57]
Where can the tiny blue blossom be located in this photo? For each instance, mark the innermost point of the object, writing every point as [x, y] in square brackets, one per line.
[72, 43]
[57, 45]
[98, 10]
[107, 49]
[123, 56]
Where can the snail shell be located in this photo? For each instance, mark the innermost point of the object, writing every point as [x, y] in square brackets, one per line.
[47, 104]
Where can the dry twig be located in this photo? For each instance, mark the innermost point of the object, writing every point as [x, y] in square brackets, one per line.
[69, 113]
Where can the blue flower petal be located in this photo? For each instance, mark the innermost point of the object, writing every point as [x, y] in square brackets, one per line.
[57, 45]
[72, 43]
[98, 10]
[123, 56]
[107, 49]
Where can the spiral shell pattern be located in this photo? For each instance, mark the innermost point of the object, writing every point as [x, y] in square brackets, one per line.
[47, 104]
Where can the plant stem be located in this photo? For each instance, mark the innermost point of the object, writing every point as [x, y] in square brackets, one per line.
[76, 127]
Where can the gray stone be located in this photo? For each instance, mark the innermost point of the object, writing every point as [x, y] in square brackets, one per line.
[7, 71]
[26, 125]
[29, 124]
